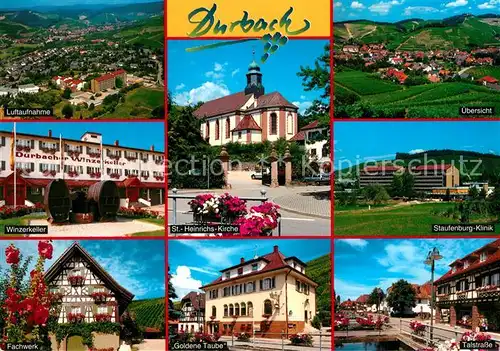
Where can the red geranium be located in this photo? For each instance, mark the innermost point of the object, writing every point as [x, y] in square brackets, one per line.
[45, 249]
[12, 254]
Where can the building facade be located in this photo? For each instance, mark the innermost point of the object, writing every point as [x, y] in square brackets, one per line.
[470, 291]
[312, 136]
[108, 81]
[139, 174]
[250, 116]
[193, 313]
[267, 295]
[426, 178]
[87, 293]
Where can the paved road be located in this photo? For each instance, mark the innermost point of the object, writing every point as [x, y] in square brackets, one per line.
[151, 345]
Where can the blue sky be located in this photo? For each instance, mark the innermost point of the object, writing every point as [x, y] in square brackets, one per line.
[194, 263]
[137, 265]
[362, 141]
[139, 135]
[210, 74]
[397, 10]
[362, 265]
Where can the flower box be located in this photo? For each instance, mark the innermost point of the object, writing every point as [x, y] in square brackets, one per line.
[234, 316]
[76, 317]
[130, 159]
[95, 175]
[159, 178]
[102, 317]
[159, 162]
[114, 157]
[266, 315]
[56, 298]
[94, 154]
[145, 177]
[212, 317]
[76, 280]
[114, 176]
[23, 148]
[48, 150]
[99, 297]
[73, 153]
[73, 174]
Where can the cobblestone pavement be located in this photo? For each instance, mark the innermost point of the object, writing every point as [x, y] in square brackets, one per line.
[122, 227]
[306, 204]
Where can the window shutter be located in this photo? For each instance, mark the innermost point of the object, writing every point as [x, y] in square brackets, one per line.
[253, 286]
[32, 166]
[273, 285]
[244, 288]
[261, 283]
[32, 144]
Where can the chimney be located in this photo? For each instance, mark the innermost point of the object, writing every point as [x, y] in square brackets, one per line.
[242, 260]
[275, 248]
[117, 143]
[152, 148]
[50, 133]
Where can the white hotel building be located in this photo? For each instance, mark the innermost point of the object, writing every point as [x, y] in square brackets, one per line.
[139, 173]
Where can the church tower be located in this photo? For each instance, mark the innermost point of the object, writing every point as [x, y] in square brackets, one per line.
[254, 80]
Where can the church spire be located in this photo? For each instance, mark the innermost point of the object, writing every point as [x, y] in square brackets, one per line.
[254, 78]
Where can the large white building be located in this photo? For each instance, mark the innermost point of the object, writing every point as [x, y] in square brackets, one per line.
[139, 174]
[249, 116]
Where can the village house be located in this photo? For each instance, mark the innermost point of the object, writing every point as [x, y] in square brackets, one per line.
[312, 138]
[268, 295]
[192, 319]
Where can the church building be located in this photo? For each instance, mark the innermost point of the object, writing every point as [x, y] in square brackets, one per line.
[249, 116]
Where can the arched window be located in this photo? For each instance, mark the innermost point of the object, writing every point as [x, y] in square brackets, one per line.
[231, 309]
[273, 124]
[250, 309]
[214, 311]
[243, 309]
[217, 130]
[225, 311]
[268, 307]
[289, 123]
[207, 130]
[228, 128]
[236, 309]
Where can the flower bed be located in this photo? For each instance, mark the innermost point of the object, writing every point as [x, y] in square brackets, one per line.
[242, 336]
[417, 328]
[19, 211]
[341, 323]
[489, 288]
[137, 213]
[76, 317]
[301, 339]
[217, 208]
[454, 345]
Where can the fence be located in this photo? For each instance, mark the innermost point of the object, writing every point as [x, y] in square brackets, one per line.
[321, 341]
[175, 197]
[432, 337]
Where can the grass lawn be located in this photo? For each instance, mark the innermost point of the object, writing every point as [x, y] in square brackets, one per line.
[138, 103]
[19, 221]
[400, 220]
[479, 72]
[159, 222]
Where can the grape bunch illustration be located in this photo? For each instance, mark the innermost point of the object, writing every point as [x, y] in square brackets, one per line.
[272, 44]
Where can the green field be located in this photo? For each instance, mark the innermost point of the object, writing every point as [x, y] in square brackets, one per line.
[479, 72]
[386, 99]
[149, 313]
[138, 103]
[396, 220]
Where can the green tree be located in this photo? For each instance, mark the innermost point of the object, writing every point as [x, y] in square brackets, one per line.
[118, 83]
[397, 185]
[91, 106]
[130, 331]
[67, 111]
[401, 297]
[67, 93]
[482, 194]
[408, 181]
[316, 323]
[376, 297]
[173, 314]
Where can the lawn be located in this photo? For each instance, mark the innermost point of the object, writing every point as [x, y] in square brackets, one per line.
[19, 221]
[157, 221]
[401, 220]
[138, 103]
[363, 83]
[479, 72]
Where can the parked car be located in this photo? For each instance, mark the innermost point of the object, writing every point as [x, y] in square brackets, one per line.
[258, 175]
[319, 179]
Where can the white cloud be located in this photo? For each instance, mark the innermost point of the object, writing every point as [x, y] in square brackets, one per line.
[183, 282]
[416, 151]
[217, 72]
[180, 86]
[217, 257]
[302, 105]
[205, 92]
[492, 4]
[235, 72]
[338, 4]
[457, 3]
[383, 7]
[357, 5]
[349, 290]
[410, 10]
[355, 243]
[203, 270]
[302, 97]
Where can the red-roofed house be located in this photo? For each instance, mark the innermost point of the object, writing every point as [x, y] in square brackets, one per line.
[267, 294]
[422, 300]
[488, 80]
[471, 287]
[249, 116]
[108, 80]
[193, 313]
[312, 136]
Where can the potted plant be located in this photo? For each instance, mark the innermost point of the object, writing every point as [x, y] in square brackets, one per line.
[76, 317]
[99, 297]
[102, 317]
[76, 280]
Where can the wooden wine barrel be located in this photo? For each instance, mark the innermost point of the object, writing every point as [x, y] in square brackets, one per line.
[57, 201]
[104, 199]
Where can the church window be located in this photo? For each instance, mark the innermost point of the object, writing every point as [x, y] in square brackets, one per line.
[274, 124]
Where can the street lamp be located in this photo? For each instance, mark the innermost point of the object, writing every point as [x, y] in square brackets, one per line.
[431, 259]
